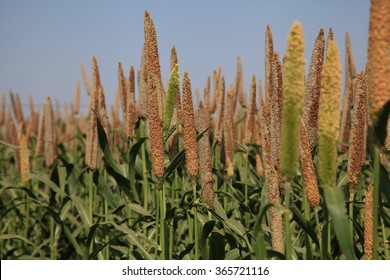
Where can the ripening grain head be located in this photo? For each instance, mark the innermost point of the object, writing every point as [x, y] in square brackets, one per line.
[293, 92]
[357, 143]
[269, 57]
[122, 88]
[239, 84]
[329, 116]
[76, 106]
[155, 131]
[308, 171]
[87, 84]
[143, 84]
[189, 131]
[276, 106]
[50, 134]
[40, 136]
[220, 111]
[24, 159]
[206, 172]
[369, 220]
[250, 120]
[228, 135]
[2, 110]
[313, 85]
[153, 62]
[378, 62]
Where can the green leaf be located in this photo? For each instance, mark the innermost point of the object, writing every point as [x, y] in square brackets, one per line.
[335, 204]
[112, 168]
[188, 249]
[305, 224]
[133, 156]
[104, 190]
[207, 228]
[132, 237]
[17, 236]
[217, 246]
[82, 210]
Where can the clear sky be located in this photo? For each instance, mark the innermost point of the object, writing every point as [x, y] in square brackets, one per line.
[43, 42]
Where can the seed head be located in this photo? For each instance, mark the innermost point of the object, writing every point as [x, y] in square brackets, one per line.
[329, 116]
[293, 92]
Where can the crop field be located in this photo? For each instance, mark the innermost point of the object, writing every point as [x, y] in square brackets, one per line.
[294, 167]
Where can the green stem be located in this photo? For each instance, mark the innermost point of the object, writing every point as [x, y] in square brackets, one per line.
[385, 242]
[162, 218]
[287, 223]
[106, 238]
[375, 252]
[157, 207]
[145, 184]
[53, 252]
[90, 205]
[173, 195]
[351, 213]
[246, 185]
[306, 210]
[195, 222]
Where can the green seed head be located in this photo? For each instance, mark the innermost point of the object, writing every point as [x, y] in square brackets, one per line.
[329, 115]
[293, 93]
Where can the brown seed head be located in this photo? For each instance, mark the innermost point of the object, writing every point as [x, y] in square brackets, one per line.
[228, 136]
[87, 84]
[220, 111]
[378, 64]
[206, 172]
[122, 88]
[153, 62]
[189, 131]
[155, 129]
[313, 85]
[308, 170]
[143, 84]
[276, 106]
[76, 107]
[357, 142]
[239, 85]
[369, 220]
[250, 120]
[269, 53]
[50, 134]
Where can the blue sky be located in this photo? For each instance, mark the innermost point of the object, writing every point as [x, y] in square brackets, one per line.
[44, 42]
